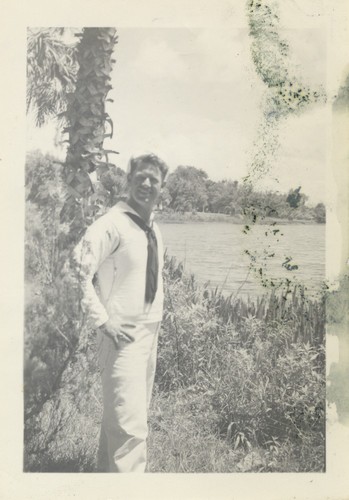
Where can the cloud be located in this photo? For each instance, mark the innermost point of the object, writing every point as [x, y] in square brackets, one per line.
[308, 55]
[303, 25]
[301, 160]
[217, 54]
[218, 147]
[223, 52]
[304, 136]
[157, 59]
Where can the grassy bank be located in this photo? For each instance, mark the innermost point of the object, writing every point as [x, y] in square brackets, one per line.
[182, 217]
[239, 388]
[240, 385]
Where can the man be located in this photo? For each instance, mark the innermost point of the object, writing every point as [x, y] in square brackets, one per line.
[124, 248]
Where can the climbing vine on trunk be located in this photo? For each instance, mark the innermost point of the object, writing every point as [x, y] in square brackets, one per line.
[88, 122]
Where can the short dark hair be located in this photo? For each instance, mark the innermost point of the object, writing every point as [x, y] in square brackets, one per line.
[147, 159]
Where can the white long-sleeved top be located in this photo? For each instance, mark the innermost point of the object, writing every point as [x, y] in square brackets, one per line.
[116, 249]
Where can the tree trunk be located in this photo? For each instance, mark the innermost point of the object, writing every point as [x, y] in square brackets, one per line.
[87, 118]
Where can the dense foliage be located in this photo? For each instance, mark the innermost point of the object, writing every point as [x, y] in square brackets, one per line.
[51, 73]
[244, 372]
[237, 375]
[189, 189]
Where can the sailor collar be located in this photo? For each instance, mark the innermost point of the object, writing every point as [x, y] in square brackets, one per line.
[125, 207]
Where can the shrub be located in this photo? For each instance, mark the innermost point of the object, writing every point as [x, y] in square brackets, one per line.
[235, 374]
[59, 368]
[260, 378]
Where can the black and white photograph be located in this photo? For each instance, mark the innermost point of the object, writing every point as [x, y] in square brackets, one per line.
[185, 261]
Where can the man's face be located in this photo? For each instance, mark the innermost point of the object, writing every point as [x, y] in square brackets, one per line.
[145, 185]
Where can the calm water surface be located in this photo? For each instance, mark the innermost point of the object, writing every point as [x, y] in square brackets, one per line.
[214, 252]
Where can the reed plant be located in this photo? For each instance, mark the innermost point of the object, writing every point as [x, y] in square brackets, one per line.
[239, 383]
[254, 371]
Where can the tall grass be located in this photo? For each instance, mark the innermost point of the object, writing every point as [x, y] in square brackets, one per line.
[253, 372]
[239, 385]
[237, 389]
[304, 315]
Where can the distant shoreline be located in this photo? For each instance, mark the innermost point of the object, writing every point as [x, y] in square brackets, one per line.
[182, 218]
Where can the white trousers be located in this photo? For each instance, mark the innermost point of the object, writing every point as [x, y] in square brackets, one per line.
[127, 374]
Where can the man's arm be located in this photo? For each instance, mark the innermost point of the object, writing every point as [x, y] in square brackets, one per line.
[99, 242]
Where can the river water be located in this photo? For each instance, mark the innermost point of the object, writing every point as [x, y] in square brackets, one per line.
[215, 252]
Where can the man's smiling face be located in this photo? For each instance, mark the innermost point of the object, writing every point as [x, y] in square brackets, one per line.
[145, 185]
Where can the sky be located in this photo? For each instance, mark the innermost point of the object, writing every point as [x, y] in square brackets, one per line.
[192, 96]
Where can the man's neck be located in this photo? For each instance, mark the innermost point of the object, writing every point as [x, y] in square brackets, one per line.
[143, 212]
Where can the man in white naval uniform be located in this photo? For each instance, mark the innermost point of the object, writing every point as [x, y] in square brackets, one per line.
[124, 249]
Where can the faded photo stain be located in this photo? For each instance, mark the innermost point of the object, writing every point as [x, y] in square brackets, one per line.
[338, 300]
[288, 94]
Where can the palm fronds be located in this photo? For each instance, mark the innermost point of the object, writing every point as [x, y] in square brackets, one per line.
[51, 73]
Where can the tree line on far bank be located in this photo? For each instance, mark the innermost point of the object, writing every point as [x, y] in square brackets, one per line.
[189, 189]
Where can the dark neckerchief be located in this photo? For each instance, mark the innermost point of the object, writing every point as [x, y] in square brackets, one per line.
[151, 284]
